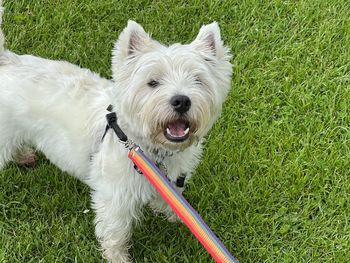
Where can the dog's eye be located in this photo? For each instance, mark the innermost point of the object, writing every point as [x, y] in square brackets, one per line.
[198, 81]
[153, 83]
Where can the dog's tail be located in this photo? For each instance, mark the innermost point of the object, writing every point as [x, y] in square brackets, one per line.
[2, 38]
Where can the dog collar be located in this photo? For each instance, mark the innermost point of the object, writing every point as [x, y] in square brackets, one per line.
[112, 123]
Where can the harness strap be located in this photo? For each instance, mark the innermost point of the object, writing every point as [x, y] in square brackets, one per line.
[112, 123]
[180, 181]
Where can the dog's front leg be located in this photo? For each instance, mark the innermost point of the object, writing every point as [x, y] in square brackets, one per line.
[114, 220]
[160, 206]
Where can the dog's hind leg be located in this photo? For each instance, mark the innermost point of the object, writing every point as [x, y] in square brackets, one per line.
[7, 150]
[23, 155]
[11, 140]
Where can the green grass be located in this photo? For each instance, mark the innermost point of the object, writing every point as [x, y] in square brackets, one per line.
[274, 180]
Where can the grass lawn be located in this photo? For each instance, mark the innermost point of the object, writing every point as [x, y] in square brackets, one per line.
[274, 180]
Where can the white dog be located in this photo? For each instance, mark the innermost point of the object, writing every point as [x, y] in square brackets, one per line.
[166, 99]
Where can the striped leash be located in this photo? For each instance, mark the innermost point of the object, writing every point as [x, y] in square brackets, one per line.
[176, 201]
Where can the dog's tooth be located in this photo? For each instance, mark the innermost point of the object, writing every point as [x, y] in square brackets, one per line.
[186, 131]
[168, 131]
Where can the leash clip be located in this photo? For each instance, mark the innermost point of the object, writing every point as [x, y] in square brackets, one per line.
[129, 144]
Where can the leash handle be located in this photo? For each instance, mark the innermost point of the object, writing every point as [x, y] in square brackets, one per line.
[181, 207]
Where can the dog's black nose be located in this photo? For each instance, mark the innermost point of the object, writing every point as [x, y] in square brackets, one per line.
[180, 103]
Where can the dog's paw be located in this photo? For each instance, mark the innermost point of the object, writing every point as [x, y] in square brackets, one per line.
[115, 252]
[26, 158]
[115, 257]
[174, 218]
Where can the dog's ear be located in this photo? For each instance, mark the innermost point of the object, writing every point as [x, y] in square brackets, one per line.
[209, 43]
[131, 41]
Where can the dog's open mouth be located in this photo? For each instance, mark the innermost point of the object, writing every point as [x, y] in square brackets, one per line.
[177, 131]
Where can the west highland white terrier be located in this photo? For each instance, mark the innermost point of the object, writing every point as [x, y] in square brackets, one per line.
[166, 99]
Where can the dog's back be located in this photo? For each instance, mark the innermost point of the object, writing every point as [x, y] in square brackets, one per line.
[48, 104]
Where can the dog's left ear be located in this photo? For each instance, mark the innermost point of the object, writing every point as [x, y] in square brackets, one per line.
[209, 43]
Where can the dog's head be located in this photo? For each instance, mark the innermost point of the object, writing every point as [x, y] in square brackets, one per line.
[170, 95]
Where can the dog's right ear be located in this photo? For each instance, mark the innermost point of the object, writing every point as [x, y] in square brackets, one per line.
[132, 41]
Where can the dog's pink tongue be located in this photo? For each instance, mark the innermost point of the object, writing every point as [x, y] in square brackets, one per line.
[177, 128]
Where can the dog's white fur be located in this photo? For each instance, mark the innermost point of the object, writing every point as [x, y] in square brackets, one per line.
[60, 109]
